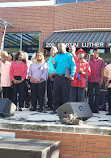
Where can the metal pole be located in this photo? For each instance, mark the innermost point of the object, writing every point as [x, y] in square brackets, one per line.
[2, 45]
[88, 57]
[6, 24]
[3, 37]
[3, 21]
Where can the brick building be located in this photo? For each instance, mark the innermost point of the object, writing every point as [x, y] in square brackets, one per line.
[37, 26]
[41, 23]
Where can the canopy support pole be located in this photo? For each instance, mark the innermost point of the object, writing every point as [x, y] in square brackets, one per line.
[6, 24]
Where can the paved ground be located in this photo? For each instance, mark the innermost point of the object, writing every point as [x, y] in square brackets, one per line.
[98, 120]
[99, 124]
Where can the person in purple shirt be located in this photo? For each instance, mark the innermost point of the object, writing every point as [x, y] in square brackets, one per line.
[95, 80]
[38, 74]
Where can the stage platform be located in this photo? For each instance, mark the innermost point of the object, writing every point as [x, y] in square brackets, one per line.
[32, 120]
[92, 139]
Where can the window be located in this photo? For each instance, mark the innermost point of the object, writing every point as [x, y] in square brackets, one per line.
[74, 1]
[100, 51]
[65, 1]
[28, 42]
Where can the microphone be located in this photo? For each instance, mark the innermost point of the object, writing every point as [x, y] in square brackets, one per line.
[47, 59]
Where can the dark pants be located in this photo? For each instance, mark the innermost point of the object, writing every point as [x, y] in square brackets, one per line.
[77, 94]
[1, 91]
[61, 91]
[7, 92]
[94, 91]
[20, 89]
[103, 99]
[50, 93]
[37, 94]
[109, 100]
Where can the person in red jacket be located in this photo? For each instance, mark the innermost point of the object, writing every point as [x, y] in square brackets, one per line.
[18, 73]
[79, 83]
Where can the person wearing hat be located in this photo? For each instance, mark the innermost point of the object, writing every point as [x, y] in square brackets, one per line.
[95, 80]
[78, 84]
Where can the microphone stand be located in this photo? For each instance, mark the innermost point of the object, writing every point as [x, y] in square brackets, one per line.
[88, 57]
[43, 63]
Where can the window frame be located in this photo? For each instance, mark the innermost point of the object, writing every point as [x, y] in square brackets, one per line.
[38, 33]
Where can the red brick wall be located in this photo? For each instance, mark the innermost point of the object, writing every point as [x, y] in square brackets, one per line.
[83, 15]
[27, 19]
[0, 36]
[47, 19]
[21, 0]
[73, 145]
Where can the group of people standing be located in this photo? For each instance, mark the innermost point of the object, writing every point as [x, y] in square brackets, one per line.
[83, 73]
[64, 74]
[20, 74]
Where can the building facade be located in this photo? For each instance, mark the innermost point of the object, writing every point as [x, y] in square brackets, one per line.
[39, 24]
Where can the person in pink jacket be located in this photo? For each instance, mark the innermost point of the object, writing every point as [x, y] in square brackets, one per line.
[5, 76]
[18, 73]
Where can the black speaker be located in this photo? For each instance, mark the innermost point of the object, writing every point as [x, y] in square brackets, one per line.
[7, 107]
[80, 109]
